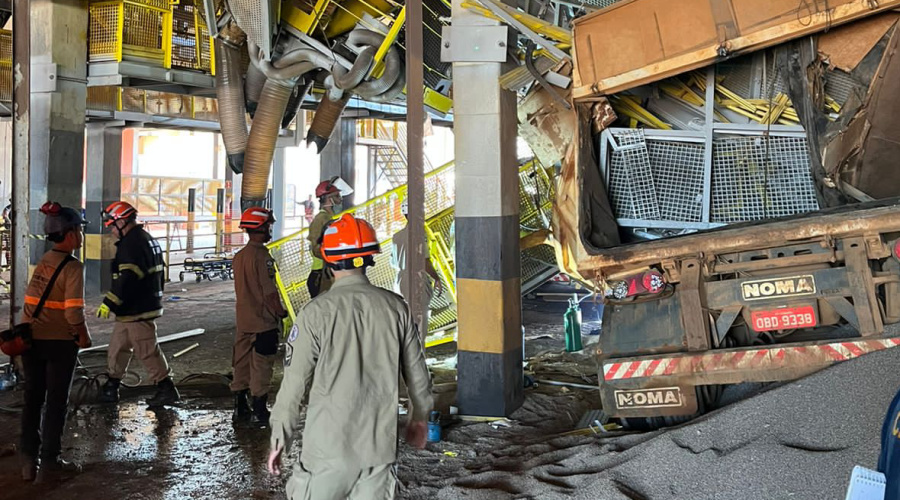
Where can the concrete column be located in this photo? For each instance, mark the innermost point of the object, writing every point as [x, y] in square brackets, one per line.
[487, 235]
[103, 185]
[58, 96]
[339, 155]
[278, 192]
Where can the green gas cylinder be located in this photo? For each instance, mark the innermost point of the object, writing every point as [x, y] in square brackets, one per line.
[572, 322]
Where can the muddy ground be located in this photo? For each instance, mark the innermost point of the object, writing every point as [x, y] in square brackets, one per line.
[787, 441]
[192, 450]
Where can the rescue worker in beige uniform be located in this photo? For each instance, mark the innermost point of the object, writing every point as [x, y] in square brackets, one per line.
[135, 297]
[259, 313]
[58, 329]
[331, 194]
[352, 344]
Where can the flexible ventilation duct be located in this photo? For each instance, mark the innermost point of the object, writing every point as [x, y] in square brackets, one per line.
[261, 147]
[230, 93]
[293, 106]
[253, 87]
[327, 115]
[382, 88]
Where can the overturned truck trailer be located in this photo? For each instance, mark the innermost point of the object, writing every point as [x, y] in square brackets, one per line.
[740, 213]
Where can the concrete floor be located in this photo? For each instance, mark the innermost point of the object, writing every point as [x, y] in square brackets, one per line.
[797, 441]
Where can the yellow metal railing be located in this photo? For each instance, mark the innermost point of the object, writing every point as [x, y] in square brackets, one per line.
[6, 78]
[293, 260]
[148, 31]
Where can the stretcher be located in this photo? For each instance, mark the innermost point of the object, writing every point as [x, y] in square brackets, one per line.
[212, 265]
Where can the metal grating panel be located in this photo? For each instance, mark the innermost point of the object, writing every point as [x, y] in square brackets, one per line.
[745, 186]
[678, 177]
[840, 85]
[677, 173]
[636, 160]
[253, 16]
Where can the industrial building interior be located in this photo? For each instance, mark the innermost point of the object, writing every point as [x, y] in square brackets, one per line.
[662, 239]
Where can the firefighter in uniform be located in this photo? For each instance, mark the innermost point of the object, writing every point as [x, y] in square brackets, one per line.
[135, 297]
[259, 313]
[58, 330]
[330, 193]
[350, 346]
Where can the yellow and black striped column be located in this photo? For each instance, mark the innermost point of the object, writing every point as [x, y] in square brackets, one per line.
[103, 185]
[487, 236]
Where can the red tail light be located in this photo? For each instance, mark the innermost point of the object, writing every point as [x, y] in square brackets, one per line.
[650, 282]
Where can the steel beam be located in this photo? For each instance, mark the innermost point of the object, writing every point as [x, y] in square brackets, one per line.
[21, 155]
[415, 133]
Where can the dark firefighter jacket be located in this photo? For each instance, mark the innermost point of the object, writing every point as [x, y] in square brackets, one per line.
[137, 287]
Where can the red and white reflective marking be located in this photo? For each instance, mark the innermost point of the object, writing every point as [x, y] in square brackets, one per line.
[772, 357]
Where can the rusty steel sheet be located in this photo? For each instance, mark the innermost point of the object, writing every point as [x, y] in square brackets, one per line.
[737, 365]
[635, 42]
[875, 217]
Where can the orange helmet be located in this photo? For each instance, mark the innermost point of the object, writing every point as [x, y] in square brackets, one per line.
[255, 218]
[117, 210]
[349, 243]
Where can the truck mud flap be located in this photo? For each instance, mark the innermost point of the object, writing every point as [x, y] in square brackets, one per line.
[664, 385]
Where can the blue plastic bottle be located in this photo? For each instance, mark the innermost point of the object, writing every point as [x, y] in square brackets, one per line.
[434, 427]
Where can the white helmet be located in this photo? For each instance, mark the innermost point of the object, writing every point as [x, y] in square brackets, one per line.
[404, 206]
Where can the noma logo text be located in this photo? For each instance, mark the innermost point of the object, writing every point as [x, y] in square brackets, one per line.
[649, 398]
[779, 287]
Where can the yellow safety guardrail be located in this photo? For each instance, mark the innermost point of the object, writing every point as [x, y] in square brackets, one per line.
[156, 32]
[293, 260]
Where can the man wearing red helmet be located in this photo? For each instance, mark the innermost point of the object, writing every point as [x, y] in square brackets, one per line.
[259, 313]
[330, 194]
[54, 306]
[135, 297]
[358, 339]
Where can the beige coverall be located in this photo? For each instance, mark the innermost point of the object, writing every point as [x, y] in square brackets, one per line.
[352, 343]
[319, 271]
[256, 337]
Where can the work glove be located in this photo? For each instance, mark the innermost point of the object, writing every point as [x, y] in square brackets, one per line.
[103, 311]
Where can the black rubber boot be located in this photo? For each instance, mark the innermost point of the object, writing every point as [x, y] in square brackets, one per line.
[53, 467]
[109, 393]
[260, 416]
[242, 410]
[29, 468]
[166, 393]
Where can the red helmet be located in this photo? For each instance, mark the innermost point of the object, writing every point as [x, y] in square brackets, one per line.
[349, 240]
[117, 210]
[255, 218]
[335, 185]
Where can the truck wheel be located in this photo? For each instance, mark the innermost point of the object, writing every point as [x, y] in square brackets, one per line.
[181, 277]
[654, 423]
[707, 399]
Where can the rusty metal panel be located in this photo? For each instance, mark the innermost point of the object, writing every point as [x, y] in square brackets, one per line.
[862, 288]
[640, 41]
[650, 327]
[692, 296]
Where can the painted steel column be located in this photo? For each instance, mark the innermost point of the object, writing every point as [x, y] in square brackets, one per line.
[103, 185]
[191, 219]
[490, 377]
[21, 156]
[415, 171]
[339, 155]
[278, 192]
[58, 98]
